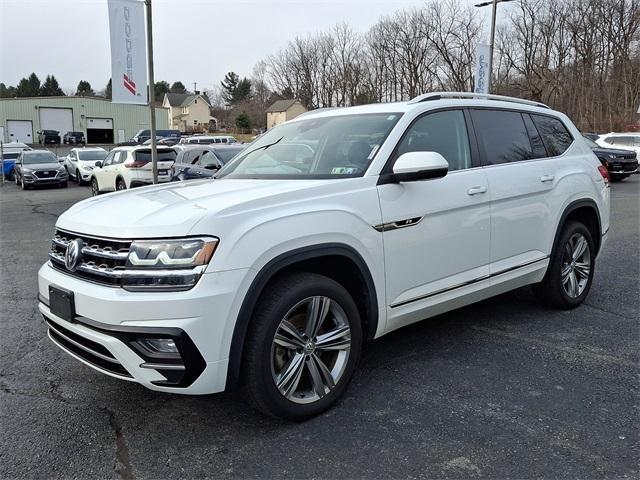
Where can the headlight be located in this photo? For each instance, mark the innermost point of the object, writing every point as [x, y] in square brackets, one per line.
[167, 264]
[611, 156]
[26, 170]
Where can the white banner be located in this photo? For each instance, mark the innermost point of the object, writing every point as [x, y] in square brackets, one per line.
[128, 51]
[483, 51]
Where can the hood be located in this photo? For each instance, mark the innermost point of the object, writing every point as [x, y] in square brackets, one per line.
[173, 209]
[42, 166]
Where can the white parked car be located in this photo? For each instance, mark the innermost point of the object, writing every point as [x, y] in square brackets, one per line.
[330, 230]
[80, 162]
[208, 139]
[128, 167]
[624, 141]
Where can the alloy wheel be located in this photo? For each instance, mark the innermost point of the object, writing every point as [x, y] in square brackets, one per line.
[94, 188]
[310, 349]
[576, 265]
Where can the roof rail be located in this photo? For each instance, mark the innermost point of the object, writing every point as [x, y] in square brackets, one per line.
[483, 96]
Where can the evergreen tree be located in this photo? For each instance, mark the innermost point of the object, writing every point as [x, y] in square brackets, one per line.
[178, 87]
[234, 89]
[160, 88]
[243, 121]
[84, 89]
[28, 87]
[50, 87]
[107, 90]
[5, 92]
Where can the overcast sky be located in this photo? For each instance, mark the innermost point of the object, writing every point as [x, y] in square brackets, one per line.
[193, 40]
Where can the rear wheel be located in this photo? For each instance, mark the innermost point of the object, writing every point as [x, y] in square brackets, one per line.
[120, 185]
[11, 175]
[95, 190]
[571, 269]
[302, 347]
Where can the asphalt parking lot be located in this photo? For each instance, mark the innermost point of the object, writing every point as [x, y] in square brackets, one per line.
[501, 389]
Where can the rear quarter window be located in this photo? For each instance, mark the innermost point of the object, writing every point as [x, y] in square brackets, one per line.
[555, 136]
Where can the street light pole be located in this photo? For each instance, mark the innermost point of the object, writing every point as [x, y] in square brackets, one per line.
[494, 11]
[152, 94]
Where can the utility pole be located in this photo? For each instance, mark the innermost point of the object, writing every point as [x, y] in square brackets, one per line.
[195, 86]
[494, 10]
[152, 94]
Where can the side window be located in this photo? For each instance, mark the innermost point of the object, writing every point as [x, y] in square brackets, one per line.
[502, 136]
[208, 159]
[443, 132]
[119, 158]
[554, 134]
[109, 159]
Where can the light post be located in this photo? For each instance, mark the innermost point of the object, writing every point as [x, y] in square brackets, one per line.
[494, 4]
[152, 110]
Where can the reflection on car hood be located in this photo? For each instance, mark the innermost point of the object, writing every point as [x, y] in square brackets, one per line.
[173, 209]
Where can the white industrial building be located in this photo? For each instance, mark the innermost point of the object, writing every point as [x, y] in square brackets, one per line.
[101, 121]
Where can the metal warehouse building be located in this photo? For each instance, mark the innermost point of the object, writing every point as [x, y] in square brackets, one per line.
[100, 120]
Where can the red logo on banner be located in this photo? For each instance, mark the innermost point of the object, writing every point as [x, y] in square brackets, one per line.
[128, 84]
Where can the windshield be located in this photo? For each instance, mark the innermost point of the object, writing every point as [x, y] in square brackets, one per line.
[590, 142]
[92, 155]
[314, 148]
[11, 156]
[38, 157]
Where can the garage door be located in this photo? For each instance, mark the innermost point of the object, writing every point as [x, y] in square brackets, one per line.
[99, 130]
[60, 119]
[20, 131]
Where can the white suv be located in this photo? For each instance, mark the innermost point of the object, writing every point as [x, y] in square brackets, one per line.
[81, 161]
[128, 167]
[330, 230]
[624, 141]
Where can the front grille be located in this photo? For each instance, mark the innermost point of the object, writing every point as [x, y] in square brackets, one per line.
[102, 260]
[88, 350]
[45, 173]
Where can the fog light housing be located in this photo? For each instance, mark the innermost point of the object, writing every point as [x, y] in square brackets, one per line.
[158, 345]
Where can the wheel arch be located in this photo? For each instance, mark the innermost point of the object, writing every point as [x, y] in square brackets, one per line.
[585, 211]
[316, 258]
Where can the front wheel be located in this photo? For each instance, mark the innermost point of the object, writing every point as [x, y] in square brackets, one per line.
[302, 347]
[120, 185]
[571, 267]
[95, 190]
[78, 177]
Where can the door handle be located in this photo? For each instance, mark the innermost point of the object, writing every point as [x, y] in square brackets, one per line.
[476, 190]
[547, 178]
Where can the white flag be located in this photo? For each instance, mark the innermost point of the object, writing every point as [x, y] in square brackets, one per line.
[128, 51]
[483, 76]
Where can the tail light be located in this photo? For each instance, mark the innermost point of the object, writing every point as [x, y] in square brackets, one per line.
[136, 164]
[605, 174]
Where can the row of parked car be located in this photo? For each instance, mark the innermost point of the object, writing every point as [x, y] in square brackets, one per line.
[122, 168]
[201, 156]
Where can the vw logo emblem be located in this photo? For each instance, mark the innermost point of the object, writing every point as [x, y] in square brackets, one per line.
[73, 254]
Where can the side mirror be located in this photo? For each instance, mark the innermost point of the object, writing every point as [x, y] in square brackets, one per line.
[98, 164]
[415, 166]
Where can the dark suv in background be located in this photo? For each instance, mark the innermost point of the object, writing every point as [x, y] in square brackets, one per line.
[49, 136]
[73, 138]
[620, 163]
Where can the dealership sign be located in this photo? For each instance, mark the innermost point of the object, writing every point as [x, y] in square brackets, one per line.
[483, 76]
[128, 51]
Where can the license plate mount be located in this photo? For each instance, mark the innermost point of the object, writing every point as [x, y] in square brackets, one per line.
[61, 303]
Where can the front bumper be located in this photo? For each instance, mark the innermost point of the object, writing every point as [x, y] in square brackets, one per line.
[108, 320]
[31, 179]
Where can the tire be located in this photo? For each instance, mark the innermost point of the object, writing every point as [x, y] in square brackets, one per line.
[64, 185]
[95, 189]
[120, 185]
[15, 177]
[12, 175]
[553, 290]
[22, 184]
[78, 177]
[265, 362]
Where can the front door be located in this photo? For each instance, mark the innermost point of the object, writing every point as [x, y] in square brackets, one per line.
[436, 232]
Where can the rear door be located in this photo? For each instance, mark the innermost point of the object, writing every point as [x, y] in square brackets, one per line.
[522, 177]
[436, 232]
[105, 175]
